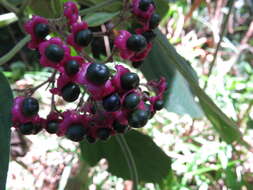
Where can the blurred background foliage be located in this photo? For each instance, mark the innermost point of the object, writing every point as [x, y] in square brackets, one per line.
[200, 159]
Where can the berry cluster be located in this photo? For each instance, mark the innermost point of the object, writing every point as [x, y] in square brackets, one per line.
[111, 99]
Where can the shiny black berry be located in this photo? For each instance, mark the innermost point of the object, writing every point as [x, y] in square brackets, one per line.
[137, 64]
[136, 42]
[90, 139]
[41, 30]
[103, 133]
[131, 101]
[71, 67]
[54, 53]
[70, 92]
[138, 118]
[129, 81]
[119, 128]
[111, 103]
[98, 73]
[83, 37]
[149, 35]
[154, 21]
[144, 4]
[26, 128]
[52, 126]
[159, 105]
[30, 106]
[76, 132]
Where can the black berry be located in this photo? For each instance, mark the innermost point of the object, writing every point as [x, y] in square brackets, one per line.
[98, 73]
[70, 92]
[119, 128]
[154, 21]
[83, 37]
[30, 106]
[138, 118]
[149, 35]
[26, 128]
[129, 81]
[111, 103]
[137, 64]
[159, 105]
[144, 4]
[76, 132]
[41, 30]
[71, 67]
[136, 42]
[131, 101]
[103, 133]
[54, 53]
[52, 126]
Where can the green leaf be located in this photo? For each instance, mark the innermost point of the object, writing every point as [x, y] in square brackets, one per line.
[162, 6]
[151, 162]
[8, 18]
[47, 8]
[6, 98]
[225, 126]
[179, 98]
[96, 19]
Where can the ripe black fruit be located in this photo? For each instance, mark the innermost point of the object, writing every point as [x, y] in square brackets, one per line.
[98, 73]
[138, 118]
[149, 35]
[71, 67]
[103, 133]
[83, 37]
[154, 21]
[159, 105]
[111, 103]
[30, 106]
[129, 81]
[41, 30]
[70, 92]
[52, 126]
[119, 128]
[131, 101]
[26, 128]
[54, 53]
[136, 42]
[76, 132]
[144, 4]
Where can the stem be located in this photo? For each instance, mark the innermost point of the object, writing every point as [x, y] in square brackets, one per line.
[10, 7]
[223, 30]
[129, 159]
[14, 50]
[97, 7]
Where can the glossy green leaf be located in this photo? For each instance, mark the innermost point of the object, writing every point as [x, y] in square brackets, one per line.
[179, 98]
[6, 98]
[96, 19]
[152, 163]
[225, 126]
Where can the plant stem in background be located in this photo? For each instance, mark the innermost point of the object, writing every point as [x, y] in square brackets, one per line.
[14, 50]
[223, 30]
[130, 160]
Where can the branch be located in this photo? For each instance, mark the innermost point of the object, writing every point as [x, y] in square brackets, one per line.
[223, 30]
[14, 50]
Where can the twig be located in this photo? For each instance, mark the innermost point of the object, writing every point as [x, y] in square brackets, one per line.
[129, 159]
[14, 50]
[9, 7]
[230, 5]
